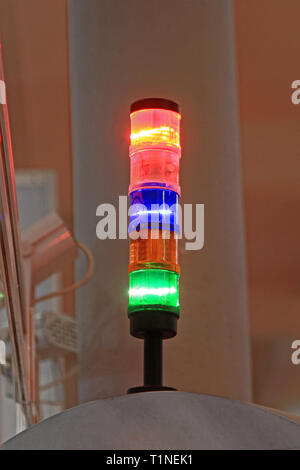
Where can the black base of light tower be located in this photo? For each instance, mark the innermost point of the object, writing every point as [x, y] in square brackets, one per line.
[153, 327]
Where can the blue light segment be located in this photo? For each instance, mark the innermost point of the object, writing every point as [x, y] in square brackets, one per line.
[154, 208]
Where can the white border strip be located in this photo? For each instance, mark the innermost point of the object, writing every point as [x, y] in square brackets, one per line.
[2, 92]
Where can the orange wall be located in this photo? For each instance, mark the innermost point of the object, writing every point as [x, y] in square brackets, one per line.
[268, 51]
[36, 62]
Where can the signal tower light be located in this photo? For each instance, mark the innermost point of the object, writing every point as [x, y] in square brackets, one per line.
[154, 228]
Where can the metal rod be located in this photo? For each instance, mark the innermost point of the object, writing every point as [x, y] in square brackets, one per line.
[153, 357]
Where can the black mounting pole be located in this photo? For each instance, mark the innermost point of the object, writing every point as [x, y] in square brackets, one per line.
[153, 359]
[153, 327]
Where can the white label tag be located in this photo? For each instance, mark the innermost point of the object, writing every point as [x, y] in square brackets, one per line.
[2, 92]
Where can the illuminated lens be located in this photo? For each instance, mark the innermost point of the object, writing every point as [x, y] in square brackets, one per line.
[154, 208]
[163, 134]
[154, 127]
[154, 289]
[152, 250]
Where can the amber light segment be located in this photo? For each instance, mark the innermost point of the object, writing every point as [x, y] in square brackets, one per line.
[154, 127]
[154, 251]
[162, 134]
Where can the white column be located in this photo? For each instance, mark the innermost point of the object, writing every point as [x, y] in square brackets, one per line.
[182, 50]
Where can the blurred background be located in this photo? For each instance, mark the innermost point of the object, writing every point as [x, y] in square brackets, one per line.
[72, 69]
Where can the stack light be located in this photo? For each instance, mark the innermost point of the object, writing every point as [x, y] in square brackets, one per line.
[154, 227]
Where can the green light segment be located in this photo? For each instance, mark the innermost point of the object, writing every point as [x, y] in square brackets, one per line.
[153, 289]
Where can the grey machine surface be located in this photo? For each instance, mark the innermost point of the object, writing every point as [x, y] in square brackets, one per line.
[161, 420]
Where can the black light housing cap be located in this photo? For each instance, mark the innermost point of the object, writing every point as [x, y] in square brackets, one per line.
[154, 103]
